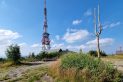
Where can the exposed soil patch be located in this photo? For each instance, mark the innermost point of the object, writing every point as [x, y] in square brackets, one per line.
[118, 63]
[47, 78]
[16, 72]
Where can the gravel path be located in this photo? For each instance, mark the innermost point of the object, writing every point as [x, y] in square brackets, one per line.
[118, 63]
[16, 72]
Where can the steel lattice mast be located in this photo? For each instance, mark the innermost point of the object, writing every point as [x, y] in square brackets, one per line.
[45, 37]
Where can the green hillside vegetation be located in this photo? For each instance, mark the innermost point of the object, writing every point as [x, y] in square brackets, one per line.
[74, 67]
[68, 67]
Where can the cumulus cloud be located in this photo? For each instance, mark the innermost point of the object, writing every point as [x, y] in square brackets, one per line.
[35, 45]
[76, 47]
[8, 34]
[58, 46]
[26, 48]
[88, 12]
[73, 35]
[103, 42]
[115, 24]
[22, 44]
[6, 38]
[52, 41]
[76, 22]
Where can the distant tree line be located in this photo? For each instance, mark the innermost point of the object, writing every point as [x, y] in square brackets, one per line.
[95, 54]
[13, 54]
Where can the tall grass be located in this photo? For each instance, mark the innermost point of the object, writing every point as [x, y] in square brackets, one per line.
[75, 67]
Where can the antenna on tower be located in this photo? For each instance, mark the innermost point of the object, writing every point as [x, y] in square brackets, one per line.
[44, 3]
[45, 17]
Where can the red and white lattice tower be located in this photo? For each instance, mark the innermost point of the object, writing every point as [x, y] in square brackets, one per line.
[45, 36]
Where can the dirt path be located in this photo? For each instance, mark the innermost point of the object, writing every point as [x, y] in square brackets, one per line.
[16, 72]
[47, 78]
[118, 63]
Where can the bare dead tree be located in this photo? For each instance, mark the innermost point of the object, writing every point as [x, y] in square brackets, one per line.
[98, 29]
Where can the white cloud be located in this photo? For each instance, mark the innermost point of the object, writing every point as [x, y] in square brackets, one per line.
[73, 35]
[76, 22]
[58, 46]
[103, 42]
[115, 24]
[22, 44]
[112, 25]
[57, 37]
[36, 48]
[35, 45]
[63, 46]
[76, 47]
[26, 48]
[88, 12]
[7, 37]
[52, 41]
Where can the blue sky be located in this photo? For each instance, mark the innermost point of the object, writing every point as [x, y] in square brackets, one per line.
[70, 23]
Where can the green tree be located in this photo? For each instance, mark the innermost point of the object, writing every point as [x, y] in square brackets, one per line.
[31, 55]
[95, 54]
[80, 51]
[2, 60]
[60, 50]
[41, 55]
[13, 53]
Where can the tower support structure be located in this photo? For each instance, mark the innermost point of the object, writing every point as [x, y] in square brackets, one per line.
[45, 35]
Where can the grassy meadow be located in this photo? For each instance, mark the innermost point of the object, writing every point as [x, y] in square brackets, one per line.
[69, 67]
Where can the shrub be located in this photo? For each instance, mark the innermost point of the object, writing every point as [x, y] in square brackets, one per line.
[75, 67]
[13, 53]
[30, 58]
[32, 55]
[2, 59]
[53, 54]
[94, 53]
[43, 55]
